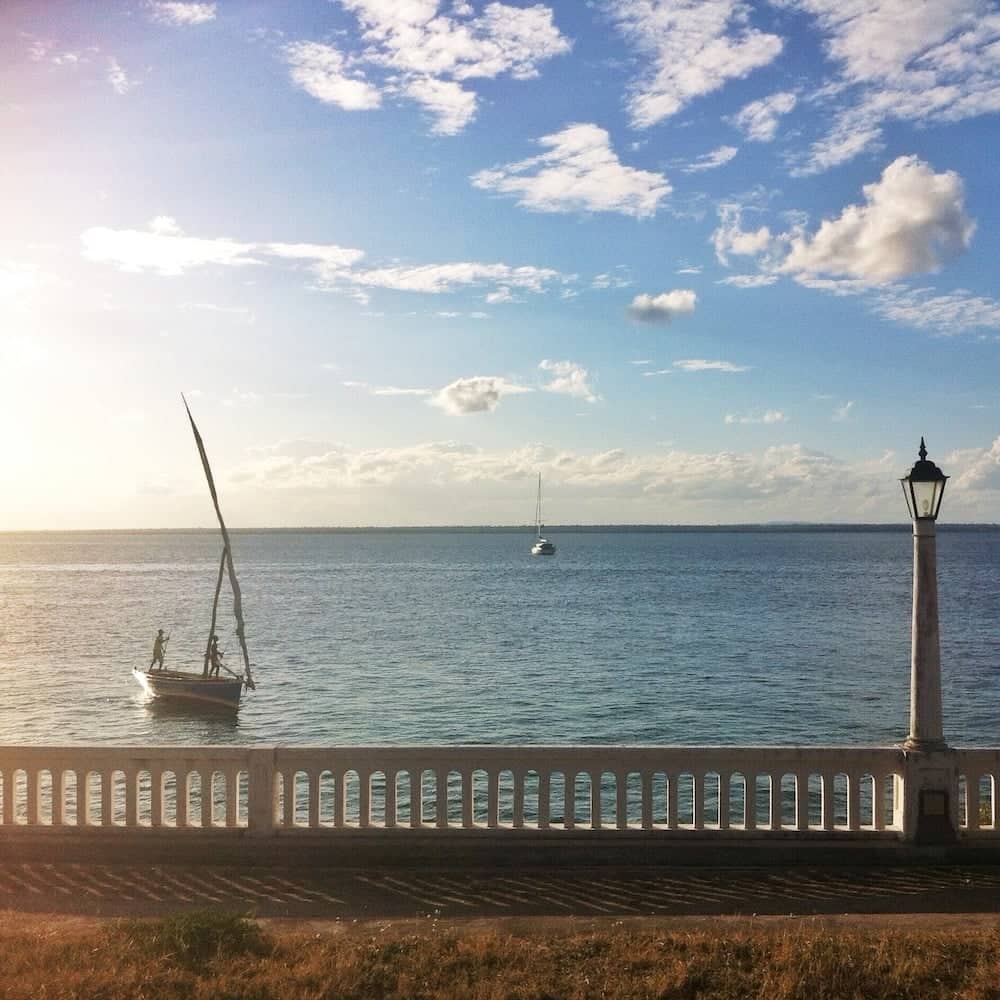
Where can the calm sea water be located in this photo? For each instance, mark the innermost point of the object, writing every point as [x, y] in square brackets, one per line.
[688, 637]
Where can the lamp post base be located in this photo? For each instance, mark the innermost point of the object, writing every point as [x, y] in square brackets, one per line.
[924, 745]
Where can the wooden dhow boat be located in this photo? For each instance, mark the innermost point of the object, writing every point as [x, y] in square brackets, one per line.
[202, 689]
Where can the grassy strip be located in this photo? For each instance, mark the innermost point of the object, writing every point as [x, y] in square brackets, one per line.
[219, 956]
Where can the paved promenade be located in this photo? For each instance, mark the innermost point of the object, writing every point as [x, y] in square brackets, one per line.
[340, 893]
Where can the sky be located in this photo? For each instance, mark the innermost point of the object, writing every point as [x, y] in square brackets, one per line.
[696, 262]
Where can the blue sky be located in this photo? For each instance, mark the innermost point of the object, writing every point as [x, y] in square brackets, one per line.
[695, 262]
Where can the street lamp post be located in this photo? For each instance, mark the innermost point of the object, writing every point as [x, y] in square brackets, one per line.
[931, 809]
[923, 489]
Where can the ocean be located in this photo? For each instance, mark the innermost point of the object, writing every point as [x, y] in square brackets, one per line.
[743, 636]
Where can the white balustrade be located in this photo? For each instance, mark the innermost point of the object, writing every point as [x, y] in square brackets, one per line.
[696, 791]
[977, 789]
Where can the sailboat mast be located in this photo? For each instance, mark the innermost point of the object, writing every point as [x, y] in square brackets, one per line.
[215, 611]
[538, 508]
[227, 552]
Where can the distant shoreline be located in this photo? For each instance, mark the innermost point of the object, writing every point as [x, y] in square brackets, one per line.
[501, 529]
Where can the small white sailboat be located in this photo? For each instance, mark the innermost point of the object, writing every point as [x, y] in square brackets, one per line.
[206, 688]
[542, 546]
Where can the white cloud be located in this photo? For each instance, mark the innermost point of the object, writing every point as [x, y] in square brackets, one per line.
[748, 280]
[731, 238]
[437, 278]
[569, 379]
[709, 161]
[701, 365]
[164, 249]
[664, 307]
[501, 295]
[618, 277]
[767, 417]
[580, 172]
[182, 14]
[120, 81]
[658, 371]
[689, 269]
[323, 72]
[327, 261]
[695, 47]
[758, 120]
[413, 37]
[643, 361]
[163, 252]
[949, 314]
[392, 390]
[424, 55]
[475, 394]
[977, 469]
[913, 221]
[926, 62]
[787, 482]
[842, 413]
[451, 107]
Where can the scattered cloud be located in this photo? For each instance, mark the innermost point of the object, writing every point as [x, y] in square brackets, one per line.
[730, 237]
[164, 249]
[658, 371]
[569, 379]
[663, 308]
[701, 365]
[424, 55]
[620, 276]
[182, 14]
[842, 413]
[758, 120]
[928, 62]
[323, 72]
[644, 361]
[709, 161]
[949, 314]
[913, 221]
[977, 469]
[382, 390]
[783, 482]
[450, 106]
[579, 172]
[120, 81]
[748, 280]
[475, 394]
[437, 278]
[767, 417]
[694, 48]
[689, 269]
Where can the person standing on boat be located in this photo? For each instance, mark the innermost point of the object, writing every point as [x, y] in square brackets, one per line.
[215, 657]
[159, 649]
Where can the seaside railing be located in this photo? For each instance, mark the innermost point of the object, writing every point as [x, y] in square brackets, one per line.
[852, 792]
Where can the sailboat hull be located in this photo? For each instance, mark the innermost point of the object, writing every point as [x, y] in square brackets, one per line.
[179, 686]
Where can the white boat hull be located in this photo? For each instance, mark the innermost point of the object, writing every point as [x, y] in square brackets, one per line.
[179, 686]
[543, 547]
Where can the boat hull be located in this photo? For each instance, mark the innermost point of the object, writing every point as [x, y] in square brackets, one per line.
[543, 547]
[178, 686]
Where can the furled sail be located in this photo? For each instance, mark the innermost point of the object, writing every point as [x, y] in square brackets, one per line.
[227, 552]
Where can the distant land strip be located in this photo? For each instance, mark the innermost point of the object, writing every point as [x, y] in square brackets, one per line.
[777, 527]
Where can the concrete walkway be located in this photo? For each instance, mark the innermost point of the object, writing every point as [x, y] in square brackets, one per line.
[341, 893]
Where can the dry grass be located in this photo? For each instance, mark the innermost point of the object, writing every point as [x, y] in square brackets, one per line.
[207, 955]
